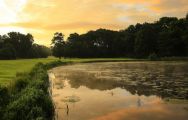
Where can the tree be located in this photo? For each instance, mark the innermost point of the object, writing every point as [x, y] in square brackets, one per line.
[7, 52]
[58, 45]
[146, 41]
[171, 43]
[1, 42]
[126, 41]
[17, 45]
[21, 43]
[39, 51]
[166, 22]
[166, 37]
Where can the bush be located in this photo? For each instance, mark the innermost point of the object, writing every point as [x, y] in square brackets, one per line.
[153, 57]
[32, 104]
[54, 64]
[4, 100]
[29, 98]
[19, 84]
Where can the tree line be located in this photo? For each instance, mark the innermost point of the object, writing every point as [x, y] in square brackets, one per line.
[166, 37]
[15, 45]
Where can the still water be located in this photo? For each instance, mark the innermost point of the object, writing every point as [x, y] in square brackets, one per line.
[121, 91]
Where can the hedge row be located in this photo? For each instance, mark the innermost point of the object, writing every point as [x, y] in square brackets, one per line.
[28, 97]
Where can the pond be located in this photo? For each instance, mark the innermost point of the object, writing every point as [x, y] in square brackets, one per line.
[121, 91]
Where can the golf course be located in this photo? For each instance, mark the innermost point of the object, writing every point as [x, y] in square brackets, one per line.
[93, 60]
[9, 68]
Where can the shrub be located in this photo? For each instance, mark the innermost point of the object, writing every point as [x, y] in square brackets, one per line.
[4, 100]
[54, 64]
[153, 56]
[30, 99]
[24, 107]
[19, 84]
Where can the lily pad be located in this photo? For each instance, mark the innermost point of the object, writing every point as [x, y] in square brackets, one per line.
[71, 99]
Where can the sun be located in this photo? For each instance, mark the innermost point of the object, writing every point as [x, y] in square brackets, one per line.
[9, 13]
[9, 10]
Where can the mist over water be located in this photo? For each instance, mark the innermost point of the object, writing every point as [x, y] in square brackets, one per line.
[121, 90]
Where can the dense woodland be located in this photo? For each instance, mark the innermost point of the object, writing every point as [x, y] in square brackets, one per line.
[164, 38]
[15, 45]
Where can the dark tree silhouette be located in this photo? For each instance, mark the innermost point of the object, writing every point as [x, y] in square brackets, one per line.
[146, 41]
[164, 38]
[16, 45]
[58, 45]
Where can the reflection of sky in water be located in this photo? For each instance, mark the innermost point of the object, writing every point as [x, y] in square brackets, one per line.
[88, 91]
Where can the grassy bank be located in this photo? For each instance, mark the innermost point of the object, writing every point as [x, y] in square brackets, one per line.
[9, 68]
[174, 59]
[27, 97]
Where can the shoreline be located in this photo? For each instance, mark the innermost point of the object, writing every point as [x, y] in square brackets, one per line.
[38, 79]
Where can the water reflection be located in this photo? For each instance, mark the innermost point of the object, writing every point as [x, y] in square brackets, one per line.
[117, 91]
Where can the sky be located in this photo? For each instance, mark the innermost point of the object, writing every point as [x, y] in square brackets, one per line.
[42, 18]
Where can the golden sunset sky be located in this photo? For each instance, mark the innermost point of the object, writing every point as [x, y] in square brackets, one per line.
[42, 18]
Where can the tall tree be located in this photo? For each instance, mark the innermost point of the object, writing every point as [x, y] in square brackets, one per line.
[58, 45]
[17, 45]
[145, 41]
[166, 37]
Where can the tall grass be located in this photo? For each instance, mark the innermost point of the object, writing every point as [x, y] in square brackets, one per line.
[28, 98]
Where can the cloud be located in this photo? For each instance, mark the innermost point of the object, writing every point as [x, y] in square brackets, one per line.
[62, 26]
[176, 8]
[49, 16]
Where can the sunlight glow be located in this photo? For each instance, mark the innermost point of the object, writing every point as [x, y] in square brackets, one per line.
[4, 30]
[80, 16]
[9, 10]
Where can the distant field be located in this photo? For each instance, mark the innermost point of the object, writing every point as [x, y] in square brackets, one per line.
[9, 68]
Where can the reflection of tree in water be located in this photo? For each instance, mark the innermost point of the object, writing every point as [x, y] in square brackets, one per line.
[139, 102]
[164, 81]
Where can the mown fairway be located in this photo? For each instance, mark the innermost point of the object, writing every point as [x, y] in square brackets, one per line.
[9, 68]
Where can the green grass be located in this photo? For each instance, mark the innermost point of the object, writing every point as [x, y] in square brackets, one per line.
[174, 58]
[28, 98]
[96, 59]
[9, 68]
